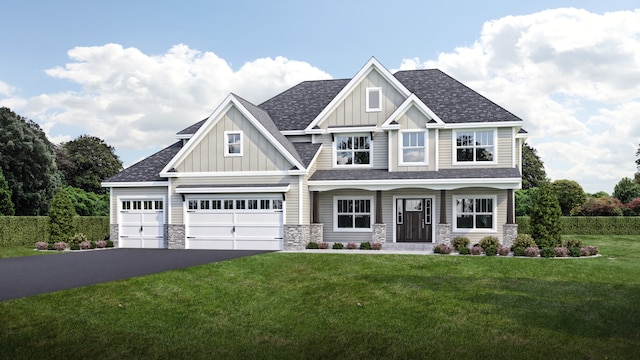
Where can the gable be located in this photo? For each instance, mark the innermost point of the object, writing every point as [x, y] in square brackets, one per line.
[413, 119]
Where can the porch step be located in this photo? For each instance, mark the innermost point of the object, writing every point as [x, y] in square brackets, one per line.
[408, 246]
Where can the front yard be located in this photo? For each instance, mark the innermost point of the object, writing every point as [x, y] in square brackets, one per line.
[340, 306]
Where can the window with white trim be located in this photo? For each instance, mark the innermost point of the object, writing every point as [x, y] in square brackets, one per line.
[352, 149]
[374, 99]
[477, 212]
[413, 147]
[233, 143]
[475, 146]
[352, 214]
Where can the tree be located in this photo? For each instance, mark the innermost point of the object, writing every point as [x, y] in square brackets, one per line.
[27, 161]
[61, 215]
[545, 217]
[87, 161]
[626, 190]
[533, 173]
[88, 203]
[570, 194]
[604, 206]
[524, 199]
[6, 205]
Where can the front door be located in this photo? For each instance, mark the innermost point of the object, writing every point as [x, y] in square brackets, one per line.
[413, 220]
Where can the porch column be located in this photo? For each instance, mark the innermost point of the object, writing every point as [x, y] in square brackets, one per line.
[378, 207]
[316, 208]
[443, 230]
[510, 211]
[443, 207]
[379, 233]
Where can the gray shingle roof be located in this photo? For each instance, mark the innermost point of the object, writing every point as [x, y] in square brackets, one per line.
[192, 129]
[451, 100]
[442, 174]
[149, 168]
[307, 151]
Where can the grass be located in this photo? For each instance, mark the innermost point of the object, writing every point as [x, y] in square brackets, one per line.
[335, 306]
[18, 251]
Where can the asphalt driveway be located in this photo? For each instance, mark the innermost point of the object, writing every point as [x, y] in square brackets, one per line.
[32, 275]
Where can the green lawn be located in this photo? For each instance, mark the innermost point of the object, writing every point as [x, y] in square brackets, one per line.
[17, 251]
[335, 306]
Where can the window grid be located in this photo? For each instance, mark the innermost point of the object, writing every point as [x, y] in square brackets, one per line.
[353, 214]
[474, 213]
[413, 148]
[475, 146]
[353, 150]
[229, 204]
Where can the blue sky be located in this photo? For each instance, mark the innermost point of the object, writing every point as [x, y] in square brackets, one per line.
[136, 72]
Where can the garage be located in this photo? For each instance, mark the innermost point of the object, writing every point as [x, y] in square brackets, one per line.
[234, 221]
[141, 223]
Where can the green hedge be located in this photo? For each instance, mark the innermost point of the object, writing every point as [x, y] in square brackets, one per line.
[590, 225]
[27, 230]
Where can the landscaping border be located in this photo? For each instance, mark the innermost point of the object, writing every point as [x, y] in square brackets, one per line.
[589, 225]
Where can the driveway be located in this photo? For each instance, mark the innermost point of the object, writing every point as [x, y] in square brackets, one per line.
[32, 275]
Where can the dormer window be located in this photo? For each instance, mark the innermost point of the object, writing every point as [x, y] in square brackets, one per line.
[374, 99]
[413, 149]
[233, 143]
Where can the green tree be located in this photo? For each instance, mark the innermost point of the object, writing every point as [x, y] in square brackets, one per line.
[626, 190]
[524, 199]
[88, 203]
[61, 215]
[545, 217]
[533, 173]
[86, 161]
[6, 205]
[27, 161]
[570, 194]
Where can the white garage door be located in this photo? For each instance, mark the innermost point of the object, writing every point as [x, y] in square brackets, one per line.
[240, 222]
[141, 224]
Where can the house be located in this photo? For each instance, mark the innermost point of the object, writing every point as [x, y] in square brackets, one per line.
[414, 156]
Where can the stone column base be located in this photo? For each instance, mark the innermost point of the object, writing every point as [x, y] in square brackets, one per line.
[175, 236]
[316, 233]
[509, 234]
[113, 234]
[443, 234]
[379, 234]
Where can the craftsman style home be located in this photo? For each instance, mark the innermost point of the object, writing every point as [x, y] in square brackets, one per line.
[412, 157]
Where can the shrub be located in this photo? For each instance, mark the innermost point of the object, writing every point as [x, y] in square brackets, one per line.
[547, 252]
[75, 247]
[532, 252]
[476, 250]
[561, 251]
[593, 250]
[365, 246]
[442, 249]
[545, 217]
[352, 246]
[491, 250]
[604, 206]
[93, 245]
[504, 250]
[77, 238]
[574, 251]
[518, 251]
[464, 251]
[523, 241]
[50, 246]
[41, 245]
[459, 242]
[101, 244]
[337, 246]
[573, 242]
[60, 245]
[61, 214]
[312, 245]
[323, 245]
[488, 241]
[589, 251]
[109, 244]
[376, 246]
[85, 245]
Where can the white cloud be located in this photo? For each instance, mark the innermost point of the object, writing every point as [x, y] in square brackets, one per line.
[5, 89]
[573, 76]
[137, 101]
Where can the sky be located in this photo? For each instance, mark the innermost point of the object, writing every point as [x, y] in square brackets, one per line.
[134, 73]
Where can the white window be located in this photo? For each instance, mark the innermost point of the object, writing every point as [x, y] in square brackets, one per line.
[277, 204]
[475, 146]
[233, 143]
[352, 214]
[352, 149]
[475, 213]
[374, 99]
[413, 147]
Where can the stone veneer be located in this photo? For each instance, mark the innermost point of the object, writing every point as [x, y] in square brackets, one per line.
[509, 234]
[175, 236]
[443, 234]
[296, 237]
[113, 234]
[379, 234]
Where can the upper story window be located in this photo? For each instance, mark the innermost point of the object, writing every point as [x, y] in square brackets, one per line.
[374, 99]
[475, 146]
[233, 143]
[353, 149]
[413, 147]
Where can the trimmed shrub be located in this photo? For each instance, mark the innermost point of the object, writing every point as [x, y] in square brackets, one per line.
[77, 238]
[101, 244]
[109, 244]
[459, 242]
[589, 251]
[337, 246]
[476, 250]
[593, 250]
[464, 251]
[518, 251]
[85, 245]
[365, 246]
[50, 246]
[442, 249]
[545, 217]
[524, 241]
[504, 250]
[573, 242]
[532, 252]
[61, 214]
[41, 245]
[60, 245]
[352, 246]
[574, 251]
[488, 241]
[547, 252]
[561, 251]
[312, 245]
[376, 246]
[75, 247]
[491, 250]
[323, 245]
[93, 244]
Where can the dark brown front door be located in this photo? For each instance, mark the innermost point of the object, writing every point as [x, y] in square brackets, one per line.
[413, 220]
